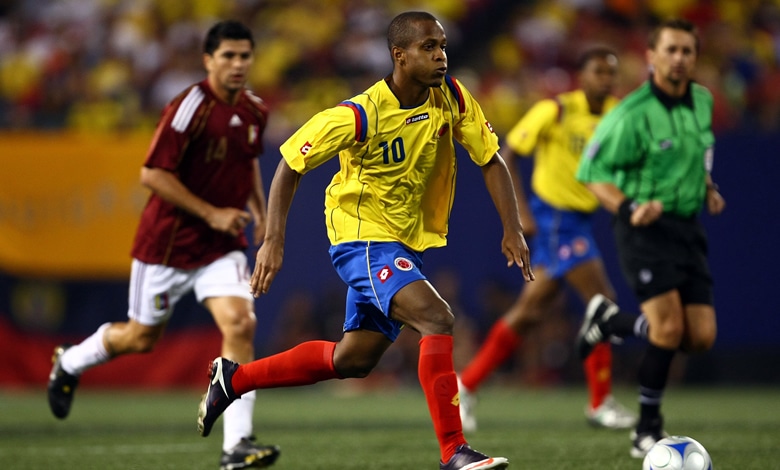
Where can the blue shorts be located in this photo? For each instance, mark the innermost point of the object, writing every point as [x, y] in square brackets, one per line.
[563, 238]
[374, 272]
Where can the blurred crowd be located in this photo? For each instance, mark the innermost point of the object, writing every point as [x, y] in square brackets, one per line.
[108, 65]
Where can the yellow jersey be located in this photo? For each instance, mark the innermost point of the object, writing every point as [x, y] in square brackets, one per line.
[396, 180]
[558, 129]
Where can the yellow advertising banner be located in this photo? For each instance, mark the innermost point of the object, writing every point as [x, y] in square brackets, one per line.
[69, 203]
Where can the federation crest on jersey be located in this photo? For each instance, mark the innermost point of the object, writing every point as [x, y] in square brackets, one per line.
[403, 264]
[254, 132]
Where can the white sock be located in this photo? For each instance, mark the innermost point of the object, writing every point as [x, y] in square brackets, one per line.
[238, 420]
[87, 354]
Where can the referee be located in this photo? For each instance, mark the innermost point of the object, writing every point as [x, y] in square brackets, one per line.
[649, 163]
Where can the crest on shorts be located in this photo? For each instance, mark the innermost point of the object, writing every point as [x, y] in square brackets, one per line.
[580, 246]
[403, 264]
[161, 301]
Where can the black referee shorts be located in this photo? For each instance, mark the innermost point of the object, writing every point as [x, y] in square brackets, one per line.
[670, 253]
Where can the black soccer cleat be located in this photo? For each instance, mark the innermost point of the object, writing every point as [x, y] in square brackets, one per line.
[249, 454]
[218, 396]
[600, 309]
[645, 436]
[466, 458]
[62, 385]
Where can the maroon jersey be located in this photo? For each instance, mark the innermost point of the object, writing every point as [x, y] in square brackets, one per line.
[210, 146]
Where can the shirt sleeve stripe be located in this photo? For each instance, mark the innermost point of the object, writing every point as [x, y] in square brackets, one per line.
[452, 84]
[187, 109]
[361, 120]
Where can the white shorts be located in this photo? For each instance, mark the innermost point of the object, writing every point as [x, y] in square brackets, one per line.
[155, 289]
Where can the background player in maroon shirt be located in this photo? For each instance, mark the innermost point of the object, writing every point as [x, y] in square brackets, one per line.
[203, 172]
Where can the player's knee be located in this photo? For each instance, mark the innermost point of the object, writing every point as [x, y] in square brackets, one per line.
[438, 321]
[239, 324]
[144, 344]
[353, 366]
[668, 333]
[700, 342]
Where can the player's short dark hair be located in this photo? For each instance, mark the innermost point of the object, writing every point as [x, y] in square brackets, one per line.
[401, 31]
[674, 23]
[599, 52]
[229, 29]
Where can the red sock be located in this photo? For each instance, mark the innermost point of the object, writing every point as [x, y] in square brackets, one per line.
[438, 381]
[501, 341]
[598, 373]
[305, 364]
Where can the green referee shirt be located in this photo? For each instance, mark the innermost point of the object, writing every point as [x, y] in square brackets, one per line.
[654, 147]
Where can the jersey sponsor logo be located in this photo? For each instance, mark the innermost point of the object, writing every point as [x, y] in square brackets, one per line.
[490, 127]
[665, 144]
[235, 121]
[254, 131]
[384, 274]
[418, 118]
[305, 149]
[403, 264]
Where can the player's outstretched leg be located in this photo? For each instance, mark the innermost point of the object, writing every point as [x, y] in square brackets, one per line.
[62, 385]
[218, 396]
[466, 458]
[249, 454]
[600, 309]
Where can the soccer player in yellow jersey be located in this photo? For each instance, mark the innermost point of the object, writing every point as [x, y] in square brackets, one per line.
[555, 131]
[388, 203]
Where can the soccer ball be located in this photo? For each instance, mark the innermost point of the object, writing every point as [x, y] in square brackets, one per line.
[677, 453]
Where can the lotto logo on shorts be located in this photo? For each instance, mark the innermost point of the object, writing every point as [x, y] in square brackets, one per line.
[384, 274]
[403, 264]
[305, 149]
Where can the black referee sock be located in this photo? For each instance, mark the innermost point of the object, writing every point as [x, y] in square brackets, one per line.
[620, 324]
[653, 375]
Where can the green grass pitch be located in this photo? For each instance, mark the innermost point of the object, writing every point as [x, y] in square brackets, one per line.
[330, 426]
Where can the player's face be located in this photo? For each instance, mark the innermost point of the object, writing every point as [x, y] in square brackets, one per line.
[674, 57]
[228, 66]
[598, 77]
[426, 59]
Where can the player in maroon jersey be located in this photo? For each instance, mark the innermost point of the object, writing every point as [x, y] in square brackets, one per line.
[203, 173]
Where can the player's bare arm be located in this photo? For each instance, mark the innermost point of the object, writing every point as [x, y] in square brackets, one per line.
[611, 197]
[166, 185]
[715, 202]
[499, 185]
[271, 253]
[527, 218]
[258, 205]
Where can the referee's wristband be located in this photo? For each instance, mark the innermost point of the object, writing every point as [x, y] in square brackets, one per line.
[626, 208]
